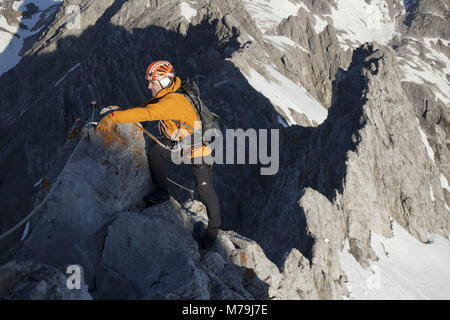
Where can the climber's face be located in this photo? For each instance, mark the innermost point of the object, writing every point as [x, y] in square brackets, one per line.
[154, 87]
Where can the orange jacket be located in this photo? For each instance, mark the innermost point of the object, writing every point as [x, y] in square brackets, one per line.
[166, 108]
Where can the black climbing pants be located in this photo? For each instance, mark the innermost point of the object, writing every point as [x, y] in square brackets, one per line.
[157, 156]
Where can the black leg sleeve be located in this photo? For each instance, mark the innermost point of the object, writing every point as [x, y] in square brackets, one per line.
[204, 182]
[157, 156]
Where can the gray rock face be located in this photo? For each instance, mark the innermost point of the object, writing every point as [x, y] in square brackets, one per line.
[429, 19]
[29, 281]
[93, 188]
[317, 67]
[374, 169]
[153, 252]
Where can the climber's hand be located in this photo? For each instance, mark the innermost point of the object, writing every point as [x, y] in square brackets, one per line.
[109, 109]
[105, 123]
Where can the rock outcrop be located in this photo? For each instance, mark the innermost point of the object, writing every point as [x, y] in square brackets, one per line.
[140, 254]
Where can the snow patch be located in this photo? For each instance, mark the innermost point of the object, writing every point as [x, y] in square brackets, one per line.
[320, 24]
[284, 42]
[287, 95]
[360, 22]
[415, 70]
[432, 194]
[406, 268]
[425, 142]
[268, 13]
[187, 11]
[444, 183]
[17, 4]
[11, 45]
[7, 45]
[4, 24]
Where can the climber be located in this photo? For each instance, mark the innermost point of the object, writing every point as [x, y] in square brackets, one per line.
[176, 115]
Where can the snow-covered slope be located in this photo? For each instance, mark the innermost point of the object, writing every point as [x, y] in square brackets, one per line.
[283, 42]
[287, 95]
[12, 36]
[268, 13]
[406, 268]
[360, 22]
[423, 63]
[187, 11]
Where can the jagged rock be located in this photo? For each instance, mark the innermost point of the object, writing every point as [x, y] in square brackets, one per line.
[323, 222]
[385, 121]
[250, 255]
[219, 291]
[382, 120]
[296, 281]
[152, 255]
[429, 19]
[425, 106]
[145, 254]
[93, 188]
[196, 212]
[363, 166]
[30, 281]
[135, 255]
[315, 68]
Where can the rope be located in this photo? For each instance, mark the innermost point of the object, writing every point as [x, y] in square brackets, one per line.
[39, 206]
[28, 217]
[153, 137]
[191, 192]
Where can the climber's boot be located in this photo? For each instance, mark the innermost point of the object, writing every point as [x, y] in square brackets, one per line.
[209, 238]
